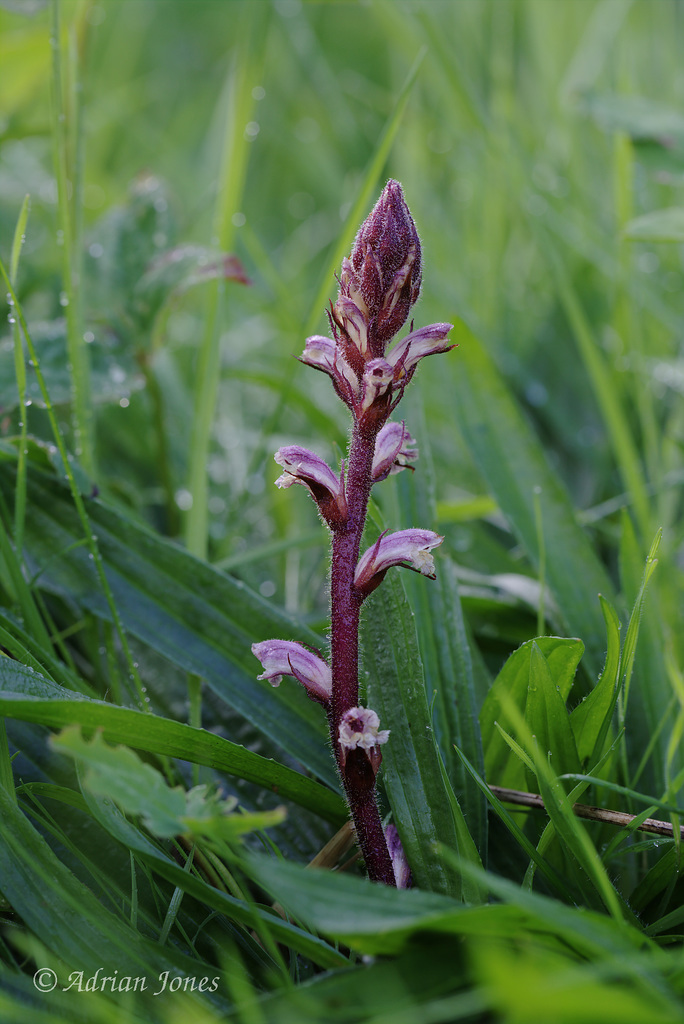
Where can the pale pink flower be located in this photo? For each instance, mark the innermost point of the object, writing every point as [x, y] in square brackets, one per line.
[408, 548]
[286, 658]
[377, 378]
[426, 341]
[324, 354]
[302, 466]
[359, 728]
[394, 448]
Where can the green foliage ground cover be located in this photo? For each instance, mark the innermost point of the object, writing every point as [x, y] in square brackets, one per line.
[195, 172]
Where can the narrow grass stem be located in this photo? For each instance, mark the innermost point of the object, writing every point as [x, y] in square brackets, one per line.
[68, 179]
[77, 498]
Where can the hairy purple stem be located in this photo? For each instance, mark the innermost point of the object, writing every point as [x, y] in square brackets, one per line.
[358, 778]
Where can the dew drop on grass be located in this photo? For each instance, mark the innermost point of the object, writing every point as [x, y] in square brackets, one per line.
[63, 299]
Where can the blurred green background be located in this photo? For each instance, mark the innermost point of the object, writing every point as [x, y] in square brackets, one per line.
[527, 134]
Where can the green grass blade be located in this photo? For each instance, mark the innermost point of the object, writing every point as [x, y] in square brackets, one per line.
[198, 618]
[28, 697]
[445, 646]
[513, 464]
[242, 78]
[425, 812]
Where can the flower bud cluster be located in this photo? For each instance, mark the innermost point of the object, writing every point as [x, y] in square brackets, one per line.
[378, 285]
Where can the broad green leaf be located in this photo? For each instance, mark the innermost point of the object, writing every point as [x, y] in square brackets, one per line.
[425, 812]
[562, 657]
[27, 696]
[376, 919]
[658, 226]
[197, 617]
[514, 465]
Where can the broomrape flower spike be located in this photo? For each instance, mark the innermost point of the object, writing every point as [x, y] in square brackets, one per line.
[378, 285]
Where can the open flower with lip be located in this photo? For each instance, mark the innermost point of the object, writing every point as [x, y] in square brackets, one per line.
[360, 729]
[408, 548]
[287, 658]
[394, 448]
[302, 466]
[377, 378]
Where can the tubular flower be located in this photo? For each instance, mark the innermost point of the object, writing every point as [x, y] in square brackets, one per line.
[382, 276]
[324, 354]
[377, 378]
[408, 548]
[359, 730]
[426, 341]
[302, 466]
[386, 374]
[394, 447]
[286, 658]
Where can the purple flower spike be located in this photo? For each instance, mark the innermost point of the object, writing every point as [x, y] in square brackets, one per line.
[304, 467]
[286, 658]
[425, 342]
[394, 448]
[382, 276]
[408, 548]
[402, 871]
